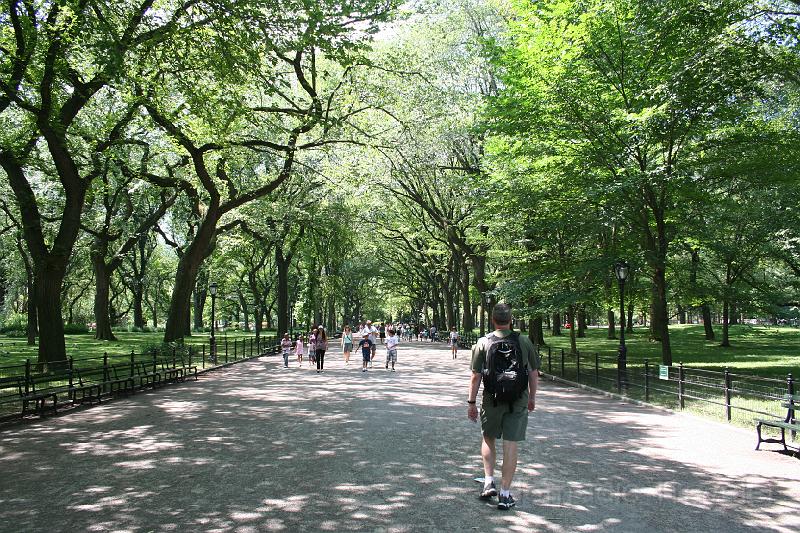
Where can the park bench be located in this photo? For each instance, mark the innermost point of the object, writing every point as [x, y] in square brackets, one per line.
[143, 371]
[25, 392]
[177, 369]
[86, 388]
[118, 376]
[792, 403]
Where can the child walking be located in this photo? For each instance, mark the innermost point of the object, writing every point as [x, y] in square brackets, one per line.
[366, 351]
[286, 345]
[312, 346]
[391, 348]
[298, 350]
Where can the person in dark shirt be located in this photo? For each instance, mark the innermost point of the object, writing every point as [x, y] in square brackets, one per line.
[366, 351]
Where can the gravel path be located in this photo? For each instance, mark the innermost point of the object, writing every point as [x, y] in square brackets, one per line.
[255, 447]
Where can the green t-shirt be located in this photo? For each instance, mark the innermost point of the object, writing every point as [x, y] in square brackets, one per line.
[528, 351]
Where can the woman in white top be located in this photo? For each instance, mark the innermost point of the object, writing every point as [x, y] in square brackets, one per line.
[454, 341]
[347, 344]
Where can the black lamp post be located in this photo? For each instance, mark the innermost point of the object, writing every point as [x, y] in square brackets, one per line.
[621, 271]
[212, 289]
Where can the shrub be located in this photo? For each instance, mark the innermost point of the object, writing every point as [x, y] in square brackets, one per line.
[14, 322]
[75, 329]
[164, 349]
[16, 333]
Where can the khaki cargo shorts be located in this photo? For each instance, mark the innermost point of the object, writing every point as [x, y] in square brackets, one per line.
[498, 422]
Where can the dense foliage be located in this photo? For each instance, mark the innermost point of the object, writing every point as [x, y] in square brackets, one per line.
[323, 162]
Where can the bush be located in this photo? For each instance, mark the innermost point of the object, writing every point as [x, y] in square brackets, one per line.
[16, 333]
[15, 323]
[165, 349]
[75, 329]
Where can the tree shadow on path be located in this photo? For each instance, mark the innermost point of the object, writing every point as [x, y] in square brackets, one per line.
[256, 447]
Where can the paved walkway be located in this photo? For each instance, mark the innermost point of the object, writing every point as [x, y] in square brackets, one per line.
[255, 447]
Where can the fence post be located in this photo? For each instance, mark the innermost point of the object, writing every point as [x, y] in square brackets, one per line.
[204, 356]
[681, 381]
[646, 380]
[728, 393]
[562, 362]
[27, 375]
[155, 364]
[790, 391]
[578, 365]
[596, 368]
[251, 346]
[133, 361]
[550, 359]
[226, 350]
[105, 370]
[71, 369]
[235, 345]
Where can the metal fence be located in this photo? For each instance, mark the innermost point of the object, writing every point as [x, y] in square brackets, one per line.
[58, 375]
[737, 398]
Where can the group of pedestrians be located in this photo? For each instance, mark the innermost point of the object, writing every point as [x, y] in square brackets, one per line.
[366, 338]
[504, 362]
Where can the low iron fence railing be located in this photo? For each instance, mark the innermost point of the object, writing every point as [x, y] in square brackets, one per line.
[726, 395]
[17, 380]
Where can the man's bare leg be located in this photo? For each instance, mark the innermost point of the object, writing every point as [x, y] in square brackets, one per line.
[489, 455]
[509, 463]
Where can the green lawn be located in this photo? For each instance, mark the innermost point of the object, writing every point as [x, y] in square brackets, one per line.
[769, 351]
[15, 350]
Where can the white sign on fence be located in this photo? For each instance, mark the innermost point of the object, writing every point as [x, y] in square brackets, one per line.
[663, 372]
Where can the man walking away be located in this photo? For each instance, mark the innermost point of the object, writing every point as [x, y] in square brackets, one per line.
[507, 364]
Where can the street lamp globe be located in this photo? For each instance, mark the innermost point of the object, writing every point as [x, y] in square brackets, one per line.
[621, 270]
[213, 289]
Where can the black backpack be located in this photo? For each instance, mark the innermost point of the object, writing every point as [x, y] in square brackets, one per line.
[505, 372]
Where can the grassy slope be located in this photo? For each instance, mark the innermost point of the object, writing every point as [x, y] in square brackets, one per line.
[768, 351]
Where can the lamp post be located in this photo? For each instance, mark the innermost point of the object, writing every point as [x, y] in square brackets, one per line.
[621, 271]
[212, 289]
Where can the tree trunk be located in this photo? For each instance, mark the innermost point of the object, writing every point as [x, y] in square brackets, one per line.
[581, 321]
[660, 306]
[556, 324]
[612, 331]
[571, 319]
[138, 308]
[708, 326]
[52, 347]
[186, 278]
[681, 314]
[733, 315]
[199, 301]
[102, 277]
[32, 327]
[282, 289]
[725, 323]
[467, 320]
[537, 331]
[629, 324]
[449, 317]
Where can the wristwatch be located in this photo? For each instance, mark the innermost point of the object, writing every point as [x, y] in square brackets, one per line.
[471, 402]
